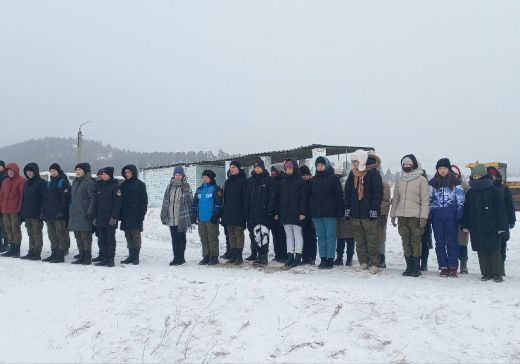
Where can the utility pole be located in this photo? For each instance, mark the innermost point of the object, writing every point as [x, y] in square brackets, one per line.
[80, 142]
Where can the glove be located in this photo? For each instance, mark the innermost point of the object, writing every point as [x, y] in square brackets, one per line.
[393, 220]
[276, 217]
[500, 232]
[373, 215]
[214, 219]
[112, 221]
[423, 223]
[347, 213]
[59, 216]
[512, 226]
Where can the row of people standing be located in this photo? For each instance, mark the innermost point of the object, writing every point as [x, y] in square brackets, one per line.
[88, 206]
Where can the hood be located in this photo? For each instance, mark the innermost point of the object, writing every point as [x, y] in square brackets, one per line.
[361, 156]
[296, 172]
[373, 158]
[132, 168]
[33, 167]
[415, 163]
[108, 170]
[85, 167]
[14, 167]
[323, 160]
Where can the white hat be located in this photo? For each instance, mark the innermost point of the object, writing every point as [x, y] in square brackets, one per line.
[361, 156]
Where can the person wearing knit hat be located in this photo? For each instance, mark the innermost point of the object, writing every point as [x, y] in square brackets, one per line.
[234, 206]
[485, 218]
[411, 206]
[260, 211]
[364, 192]
[326, 206]
[277, 229]
[81, 212]
[446, 211]
[291, 211]
[310, 247]
[107, 212]
[177, 213]
[507, 196]
[56, 213]
[207, 204]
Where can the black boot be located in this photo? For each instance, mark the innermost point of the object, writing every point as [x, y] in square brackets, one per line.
[330, 263]
[323, 263]
[37, 255]
[79, 258]
[252, 257]
[87, 258]
[60, 257]
[382, 261]
[238, 257]
[110, 263]
[16, 252]
[349, 259]
[130, 257]
[205, 260]
[51, 257]
[416, 272]
[9, 252]
[28, 255]
[408, 270]
[339, 260]
[290, 260]
[99, 258]
[232, 255]
[424, 265]
[297, 260]
[135, 260]
[264, 260]
[228, 254]
[102, 263]
[4, 246]
[213, 261]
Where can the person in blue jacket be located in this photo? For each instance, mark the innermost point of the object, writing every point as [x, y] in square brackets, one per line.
[446, 211]
[207, 204]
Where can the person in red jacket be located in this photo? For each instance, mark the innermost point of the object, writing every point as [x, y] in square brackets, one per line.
[10, 206]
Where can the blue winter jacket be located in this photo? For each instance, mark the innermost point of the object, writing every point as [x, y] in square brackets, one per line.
[207, 202]
[446, 203]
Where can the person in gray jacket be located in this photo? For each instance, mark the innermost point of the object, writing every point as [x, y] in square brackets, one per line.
[81, 212]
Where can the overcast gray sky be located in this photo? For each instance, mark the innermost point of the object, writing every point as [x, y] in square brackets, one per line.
[437, 78]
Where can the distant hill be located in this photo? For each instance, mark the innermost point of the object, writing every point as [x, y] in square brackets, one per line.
[45, 151]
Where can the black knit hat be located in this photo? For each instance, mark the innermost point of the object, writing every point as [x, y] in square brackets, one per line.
[2, 163]
[260, 163]
[305, 170]
[84, 166]
[210, 174]
[444, 162]
[109, 171]
[55, 166]
[236, 164]
[412, 158]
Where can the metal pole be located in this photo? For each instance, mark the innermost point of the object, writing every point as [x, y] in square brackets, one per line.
[80, 142]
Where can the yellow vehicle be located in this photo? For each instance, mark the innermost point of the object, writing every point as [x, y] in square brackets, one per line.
[513, 186]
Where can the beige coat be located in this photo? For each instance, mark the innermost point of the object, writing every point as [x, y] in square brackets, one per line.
[411, 196]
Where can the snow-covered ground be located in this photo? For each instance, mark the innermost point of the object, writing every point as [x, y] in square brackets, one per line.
[156, 313]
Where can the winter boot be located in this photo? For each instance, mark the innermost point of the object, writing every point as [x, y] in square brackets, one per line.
[60, 257]
[37, 255]
[264, 260]
[464, 266]
[110, 263]
[498, 278]
[374, 270]
[4, 246]
[232, 256]
[339, 260]
[486, 278]
[135, 260]
[213, 261]
[362, 267]
[87, 258]
[424, 265]
[252, 257]
[382, 261]
[329, 263]
[408, 270]
[9, 252]
[238, 257]
[28, 255]
[415, 272]
[16, 252]
[290, 260]
[297, 260]
[445, 272]
[349, 259]
[99, 258]
[130, 257]
[452, 272]
[323, 263]
[51, 257]
[102, 263]
[79, 259]
[227, 255]
[205, 260]
[78, 255]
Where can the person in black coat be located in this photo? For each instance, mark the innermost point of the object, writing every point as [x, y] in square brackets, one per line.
[485, 219]
[363, 197]
[291, 210]
[326, 206]
[277, 229]
[134, 204]
[260, 208]
[107, 209]
[56, 213]
[32, 209]
[4, 243]
[234, 210]
[510, 208]
[310, 248]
